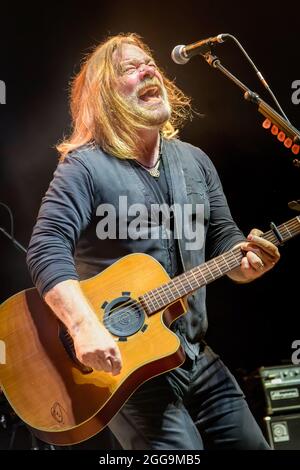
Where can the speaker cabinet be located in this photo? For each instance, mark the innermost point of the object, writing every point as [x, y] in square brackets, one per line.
[283, 431]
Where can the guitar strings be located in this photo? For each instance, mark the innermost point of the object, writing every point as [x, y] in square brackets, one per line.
[137, 305]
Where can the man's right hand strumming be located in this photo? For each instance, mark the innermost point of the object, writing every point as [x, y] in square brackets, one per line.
[96, 348]
[94, 345]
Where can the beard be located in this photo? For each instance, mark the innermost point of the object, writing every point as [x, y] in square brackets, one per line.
[155, 110]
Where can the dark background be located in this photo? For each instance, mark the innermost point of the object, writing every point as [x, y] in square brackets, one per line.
[41, 49]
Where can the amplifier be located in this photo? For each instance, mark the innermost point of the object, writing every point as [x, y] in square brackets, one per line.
[273, 390]
[283, 431]
[281, 386]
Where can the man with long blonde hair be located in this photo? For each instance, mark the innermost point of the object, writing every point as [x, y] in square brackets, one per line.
[124, 144]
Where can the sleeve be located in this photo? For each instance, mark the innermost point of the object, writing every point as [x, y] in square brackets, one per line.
[223, 233]
[65, 211]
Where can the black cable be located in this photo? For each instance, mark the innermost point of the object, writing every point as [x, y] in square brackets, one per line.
[259, 74]
[11, 236]
[11, 219]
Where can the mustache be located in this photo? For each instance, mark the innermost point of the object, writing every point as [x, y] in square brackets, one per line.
[148, 82]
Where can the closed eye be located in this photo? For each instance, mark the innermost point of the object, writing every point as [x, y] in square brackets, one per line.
[132, 67]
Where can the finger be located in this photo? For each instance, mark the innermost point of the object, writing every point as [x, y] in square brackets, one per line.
[88, 360]
[115, 366]
[116, 362]
[267, 246]
[105, 365]
[96, 362]
[263, 255]
[255, 261]
[247, 269]
[245, 264]
[110, 365]
[256, 232]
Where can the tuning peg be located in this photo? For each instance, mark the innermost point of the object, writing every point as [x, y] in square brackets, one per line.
[267, 124]
[281, 136]
[288, 143]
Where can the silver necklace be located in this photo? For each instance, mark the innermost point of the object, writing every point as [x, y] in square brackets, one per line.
[153, 170]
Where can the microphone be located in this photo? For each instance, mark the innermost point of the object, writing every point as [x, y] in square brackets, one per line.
[181, 54]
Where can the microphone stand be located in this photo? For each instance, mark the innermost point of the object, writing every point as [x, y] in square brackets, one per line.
[263, 108]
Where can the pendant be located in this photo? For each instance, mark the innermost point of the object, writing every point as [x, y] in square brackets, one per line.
[154, 172]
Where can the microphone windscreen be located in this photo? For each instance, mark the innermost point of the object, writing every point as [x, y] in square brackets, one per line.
[177, 55]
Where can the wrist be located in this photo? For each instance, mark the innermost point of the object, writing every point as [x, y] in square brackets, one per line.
[85, 323]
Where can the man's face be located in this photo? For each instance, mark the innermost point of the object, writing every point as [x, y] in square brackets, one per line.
[141, 85]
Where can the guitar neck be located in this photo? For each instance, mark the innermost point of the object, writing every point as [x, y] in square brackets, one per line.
[186, 283]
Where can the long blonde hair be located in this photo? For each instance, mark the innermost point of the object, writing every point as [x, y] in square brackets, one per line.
[100, 115]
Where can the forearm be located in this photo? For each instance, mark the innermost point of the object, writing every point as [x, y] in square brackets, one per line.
[69, 304]
[94, 346]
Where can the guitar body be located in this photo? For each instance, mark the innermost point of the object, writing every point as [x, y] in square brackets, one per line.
[63, 402]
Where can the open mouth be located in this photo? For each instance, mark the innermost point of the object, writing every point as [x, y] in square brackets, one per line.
[150, 94]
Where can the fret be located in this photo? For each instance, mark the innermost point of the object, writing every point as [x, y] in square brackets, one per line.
[158, 293]
[193, 274]
[237, 255]
[169, 286]
[291, 228]
[216, 263]
[224, 258]
[155, 302]
[160, 289]
[187, 278]
[199, 269]
[183, 285]
[176, 286]
[207, 267]
[230, 259]
[286, 227]
[150, 300]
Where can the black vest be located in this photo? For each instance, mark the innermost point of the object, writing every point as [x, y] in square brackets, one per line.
[114, 177]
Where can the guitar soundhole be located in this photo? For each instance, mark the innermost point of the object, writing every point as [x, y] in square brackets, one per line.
[123, 316]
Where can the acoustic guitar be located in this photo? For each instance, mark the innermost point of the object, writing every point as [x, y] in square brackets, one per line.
[65, 402]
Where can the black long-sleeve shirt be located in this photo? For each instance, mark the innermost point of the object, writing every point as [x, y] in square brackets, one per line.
[64, 244]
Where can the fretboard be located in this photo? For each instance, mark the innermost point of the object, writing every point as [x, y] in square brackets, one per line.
[186, 283]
